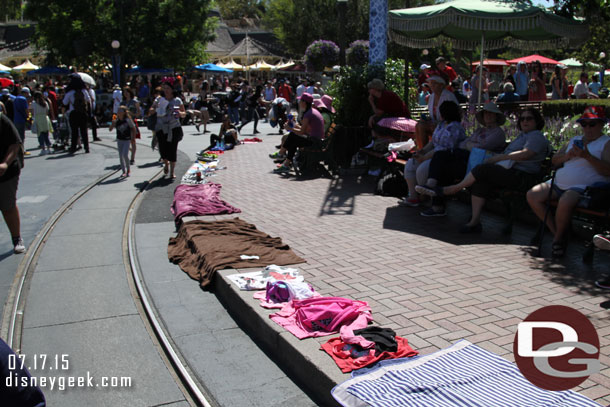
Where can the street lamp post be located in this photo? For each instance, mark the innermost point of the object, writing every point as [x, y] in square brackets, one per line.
[602, 71]
[341, 8]
[116, 62]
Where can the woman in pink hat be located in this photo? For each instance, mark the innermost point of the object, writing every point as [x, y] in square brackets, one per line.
[326, 109]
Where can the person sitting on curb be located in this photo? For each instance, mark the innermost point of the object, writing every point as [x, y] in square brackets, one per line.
[448, 165]
[586, 161]
[517, 166]
[309, 133]
[227, 133]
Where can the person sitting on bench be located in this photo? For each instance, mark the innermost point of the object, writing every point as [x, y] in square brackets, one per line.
[446, 137]
[586, 161]
[517, 166]
[384, 103]
[309, 133]
[449, 165]
[425, 126]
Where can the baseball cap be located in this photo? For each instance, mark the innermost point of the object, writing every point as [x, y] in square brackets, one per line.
[593, 113]
[424, 66]
[25, 89]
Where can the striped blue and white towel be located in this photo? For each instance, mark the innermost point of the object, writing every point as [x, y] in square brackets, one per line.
[463, 375]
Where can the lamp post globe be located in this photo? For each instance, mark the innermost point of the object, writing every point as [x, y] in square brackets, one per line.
[115, 44]
[602, 55]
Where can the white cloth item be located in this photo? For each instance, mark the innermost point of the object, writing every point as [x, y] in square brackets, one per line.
[578, 172]
[402, 146]
[247, 257]
[446, 95]
[580, 89]
[257, 280]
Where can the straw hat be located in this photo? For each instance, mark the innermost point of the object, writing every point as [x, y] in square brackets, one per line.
[493, 108]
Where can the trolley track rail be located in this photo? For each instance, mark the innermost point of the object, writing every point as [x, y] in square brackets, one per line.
[13, 314]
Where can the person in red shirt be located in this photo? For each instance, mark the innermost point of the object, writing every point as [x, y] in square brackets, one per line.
[441, 65]
[384, 103]
[284, 91]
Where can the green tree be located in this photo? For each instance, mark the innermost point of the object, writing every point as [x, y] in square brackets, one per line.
[10, 9]
[235, 9]
[171, 33]
[297, 23]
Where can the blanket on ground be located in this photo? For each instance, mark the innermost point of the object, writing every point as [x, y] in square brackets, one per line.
[463, 374]
[201, 248]
[202, 199]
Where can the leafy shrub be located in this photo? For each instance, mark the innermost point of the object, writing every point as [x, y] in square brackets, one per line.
[358, 53]
[321, 53]
[572, 107]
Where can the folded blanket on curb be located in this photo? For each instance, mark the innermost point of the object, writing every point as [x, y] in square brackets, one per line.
[463, 374]
[201, 248]
[201, 199]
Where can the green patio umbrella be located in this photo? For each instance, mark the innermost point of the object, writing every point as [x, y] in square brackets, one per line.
[492, 24]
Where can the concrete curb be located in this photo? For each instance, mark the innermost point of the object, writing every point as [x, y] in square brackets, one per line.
[311, 368]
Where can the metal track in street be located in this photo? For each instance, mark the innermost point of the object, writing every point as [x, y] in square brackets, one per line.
[12, 321]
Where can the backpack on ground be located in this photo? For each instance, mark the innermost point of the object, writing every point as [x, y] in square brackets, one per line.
[392, 183]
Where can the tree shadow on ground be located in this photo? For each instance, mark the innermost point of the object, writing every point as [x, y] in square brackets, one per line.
[340, 198]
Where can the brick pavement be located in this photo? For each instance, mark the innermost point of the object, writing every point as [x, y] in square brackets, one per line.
[420, 276]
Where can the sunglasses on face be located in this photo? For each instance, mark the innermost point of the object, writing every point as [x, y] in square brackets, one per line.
[526, 118]
[588, 124]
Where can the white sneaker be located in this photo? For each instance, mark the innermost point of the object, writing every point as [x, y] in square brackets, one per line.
[19, 247]
[601, 242]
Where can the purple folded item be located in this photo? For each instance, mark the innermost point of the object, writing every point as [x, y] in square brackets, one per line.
[203, 199]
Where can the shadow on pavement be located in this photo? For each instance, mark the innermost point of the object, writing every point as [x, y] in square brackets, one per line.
[150, 164]
[341, 195]
[5, 255]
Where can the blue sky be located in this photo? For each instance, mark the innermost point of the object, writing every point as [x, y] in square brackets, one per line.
[545, 3]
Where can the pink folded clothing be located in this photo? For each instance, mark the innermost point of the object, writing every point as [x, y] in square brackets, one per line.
[322, 316]
[202, 199]
[398, 123]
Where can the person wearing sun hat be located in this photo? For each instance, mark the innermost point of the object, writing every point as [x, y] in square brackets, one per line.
[325, 107]
[438, 94]
[309, 132]
[586, 161]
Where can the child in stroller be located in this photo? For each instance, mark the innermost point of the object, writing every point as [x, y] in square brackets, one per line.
[61, 135]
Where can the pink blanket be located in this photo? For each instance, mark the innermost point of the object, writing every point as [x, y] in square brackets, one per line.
[398, 123]
[322, 316]
[202, 199]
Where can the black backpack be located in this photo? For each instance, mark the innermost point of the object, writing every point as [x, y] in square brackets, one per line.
[80, 104]
[392, 183]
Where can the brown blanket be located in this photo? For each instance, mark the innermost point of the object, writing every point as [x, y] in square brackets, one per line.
[201, 248]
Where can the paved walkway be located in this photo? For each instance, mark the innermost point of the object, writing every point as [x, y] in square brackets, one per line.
[421, 277]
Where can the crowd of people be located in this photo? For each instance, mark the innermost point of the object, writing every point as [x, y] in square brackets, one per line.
[520, 82]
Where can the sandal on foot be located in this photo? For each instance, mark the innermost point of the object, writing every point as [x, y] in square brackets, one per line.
[165, 170]
[558, 249]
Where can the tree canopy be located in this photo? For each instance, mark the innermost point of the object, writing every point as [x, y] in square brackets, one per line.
[152, 33]
[297, 23]
[235, 9]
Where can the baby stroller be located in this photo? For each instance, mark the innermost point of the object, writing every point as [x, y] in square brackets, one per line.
[61, 133]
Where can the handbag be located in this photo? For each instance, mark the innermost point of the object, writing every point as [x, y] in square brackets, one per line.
[151, 122]
[477, 156]
[597, 196]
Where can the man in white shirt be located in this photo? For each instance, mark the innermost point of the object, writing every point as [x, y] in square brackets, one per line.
[301, 88]
[581, 91]
[117, 98]
[78, 115]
